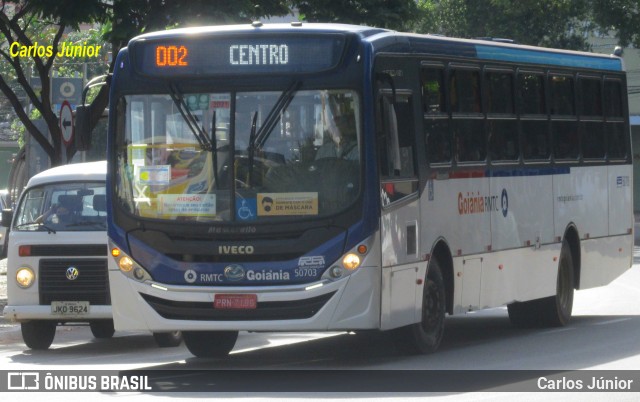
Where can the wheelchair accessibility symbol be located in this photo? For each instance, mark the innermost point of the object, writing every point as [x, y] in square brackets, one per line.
[246, 209]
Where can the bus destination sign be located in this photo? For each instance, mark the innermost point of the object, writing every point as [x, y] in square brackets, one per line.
[238, 55]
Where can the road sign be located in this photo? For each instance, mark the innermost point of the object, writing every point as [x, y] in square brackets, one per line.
[66, 122]
[66, 89]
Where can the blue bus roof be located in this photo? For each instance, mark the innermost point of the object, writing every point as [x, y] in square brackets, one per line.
[498, 51]
[384, 40]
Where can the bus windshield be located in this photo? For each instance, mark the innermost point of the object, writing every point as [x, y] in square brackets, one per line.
[238, 156]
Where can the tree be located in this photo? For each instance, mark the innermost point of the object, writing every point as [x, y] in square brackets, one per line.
[621, 17]
[43, 23]
[30, 35]
[391, 14]
[550, 23]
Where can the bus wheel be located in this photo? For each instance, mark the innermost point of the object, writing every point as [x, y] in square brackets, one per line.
[210, 343]
[425, 336]
[554, 311]
[38, 334]
[168, 339]
[102, 329]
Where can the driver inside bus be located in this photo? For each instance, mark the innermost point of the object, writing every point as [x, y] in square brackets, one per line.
[343, 143]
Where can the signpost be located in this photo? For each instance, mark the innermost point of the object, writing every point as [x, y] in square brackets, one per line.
[66, 123]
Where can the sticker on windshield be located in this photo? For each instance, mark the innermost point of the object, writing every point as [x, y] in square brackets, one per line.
[154, 175]
[246, 209]
[281, 204]
[186, 204]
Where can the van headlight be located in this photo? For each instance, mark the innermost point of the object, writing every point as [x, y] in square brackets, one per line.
[25, 277]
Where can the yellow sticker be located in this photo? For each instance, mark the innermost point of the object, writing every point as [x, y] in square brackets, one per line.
[280, 204]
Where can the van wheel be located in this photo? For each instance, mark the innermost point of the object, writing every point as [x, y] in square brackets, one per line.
[102, 329]
[210, 343]
[168, 339]
[553, 311]
[425, 336]
[38, 335]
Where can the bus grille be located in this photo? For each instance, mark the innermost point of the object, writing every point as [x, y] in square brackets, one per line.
[204, 311]
[92, 283]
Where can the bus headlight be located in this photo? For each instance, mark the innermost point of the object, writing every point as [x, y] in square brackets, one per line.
[25, 277]
[129, 267]
[125, 264]
[351, 261]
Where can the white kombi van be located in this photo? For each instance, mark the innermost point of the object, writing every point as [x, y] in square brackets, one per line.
[57, 256]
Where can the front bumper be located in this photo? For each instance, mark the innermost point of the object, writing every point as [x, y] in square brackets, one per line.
[347, 304]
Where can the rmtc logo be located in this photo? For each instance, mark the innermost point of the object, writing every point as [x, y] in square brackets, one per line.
[235, 249]
[478, 204]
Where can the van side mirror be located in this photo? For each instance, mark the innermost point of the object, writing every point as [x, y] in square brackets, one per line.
[7, 217]
[83, 128]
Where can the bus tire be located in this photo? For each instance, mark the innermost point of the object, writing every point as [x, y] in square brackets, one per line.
[168, 339]
[425, 336]
[38, 335]
[551, 311]
[556, 310]
[210, 343]
[102, 329]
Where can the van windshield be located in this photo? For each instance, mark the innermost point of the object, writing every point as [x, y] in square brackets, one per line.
[69, 206]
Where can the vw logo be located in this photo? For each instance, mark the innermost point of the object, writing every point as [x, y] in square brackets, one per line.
[72, 273]
[234, 272]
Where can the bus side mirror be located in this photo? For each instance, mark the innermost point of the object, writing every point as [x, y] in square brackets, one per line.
[7, 217]
[83, 128]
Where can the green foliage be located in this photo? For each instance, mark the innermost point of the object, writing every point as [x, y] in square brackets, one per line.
[550, 23]
[133, 17]
[621, 17]
[18, 128]
[70, 13]
[392, 14]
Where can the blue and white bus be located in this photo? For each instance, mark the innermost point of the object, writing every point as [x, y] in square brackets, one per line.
[321, 177]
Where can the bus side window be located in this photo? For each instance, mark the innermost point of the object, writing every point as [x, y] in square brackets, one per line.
[533, 116]
[464, 91]
[617, 141]
[436, 120]
[468, 120]
[502, 127]
[591, 118]
[564, 125]
[399, 133]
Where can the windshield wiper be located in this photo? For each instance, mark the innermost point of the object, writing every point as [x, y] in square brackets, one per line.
[214, 144]
[39, 224]
[258, 139]
[272, 118]
[192, 122]
[252, 147]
